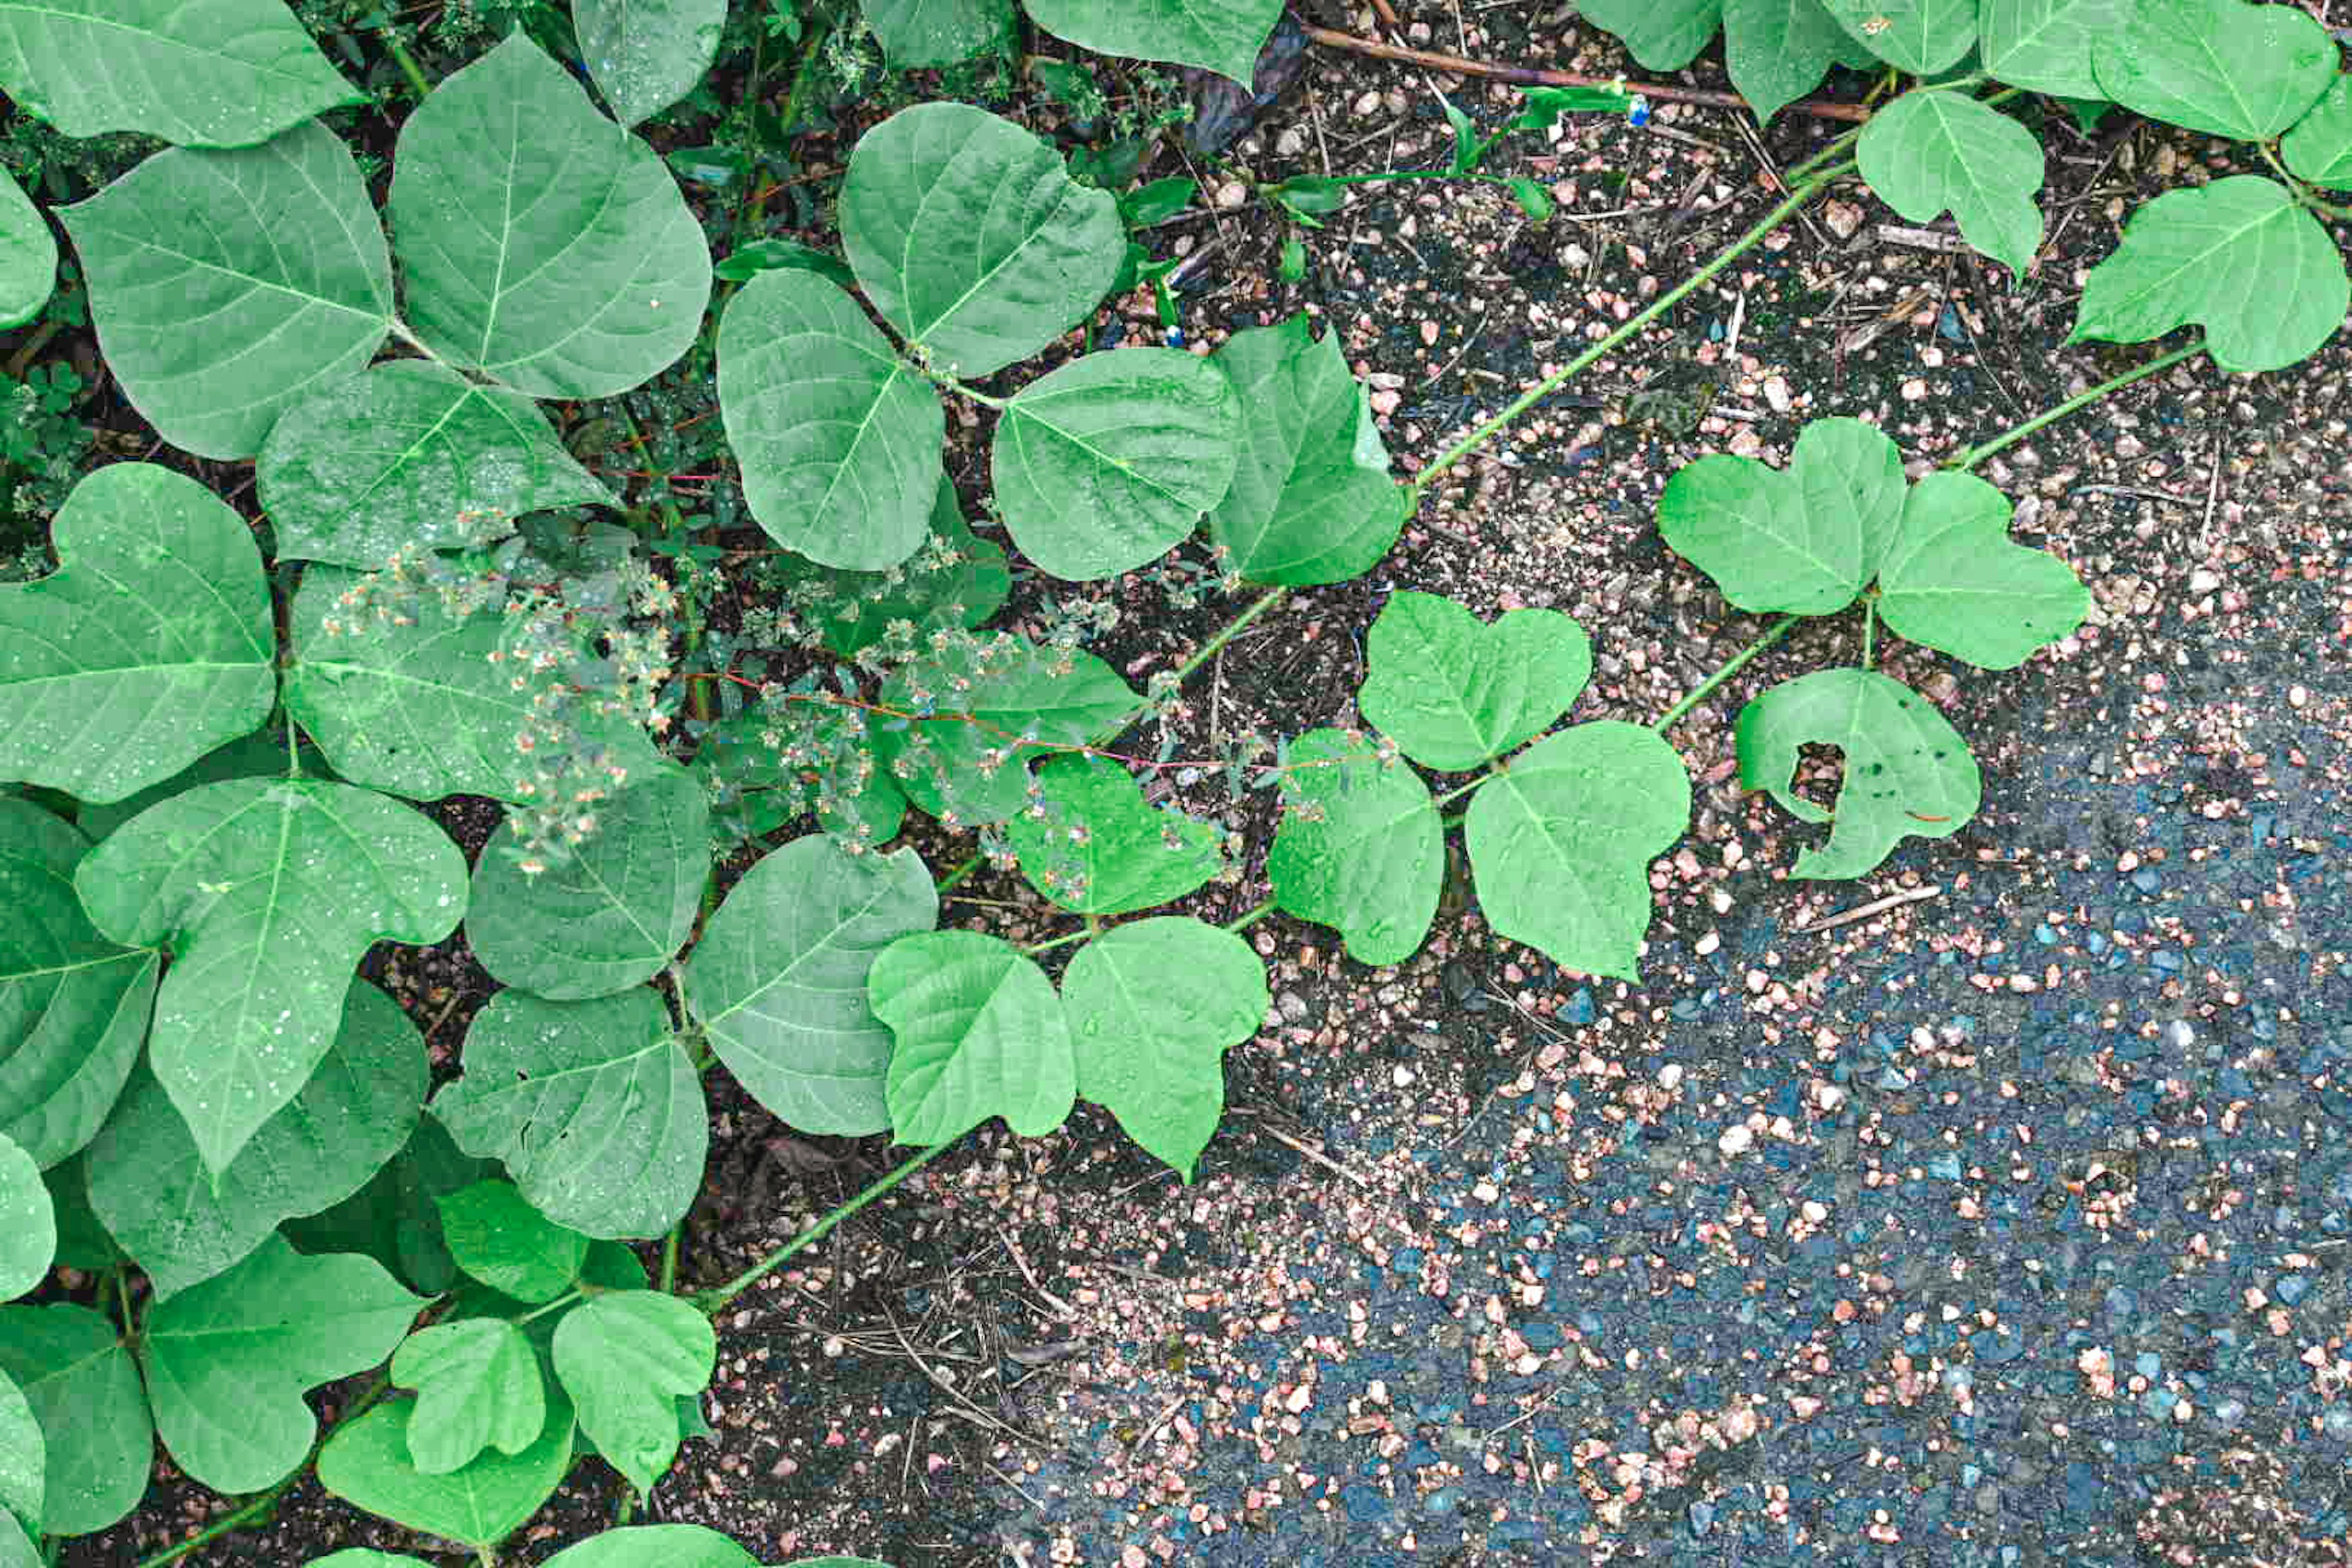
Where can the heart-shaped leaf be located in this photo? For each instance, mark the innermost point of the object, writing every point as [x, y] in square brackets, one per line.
[1222, 35]
[148, 647]
[777, 981]
[1933, 150]
[367, 1464]
[23, 1457]
[229, 1361]
[1092, 845]
[954, 578]
[2240, 257]
[1660, 35]
[502, 1241]
[1953, 580]
[979, 1033]
[622, 1358]
[1360, 847]
[1803, 539]
[183, 1225]
[1779, 50]
[2319, 148]
[538, 240]
[1453, 692]
[268, 893]
[2045, 46]
[1153, 1005]
[1311, 499]
[1922, 37]
[915, 34]
[2242, 71]
[965, 761]
[1104, 464]
[28, 1236]
[971, 237]
[1907, 771]
[477, 1385]
[614, 912]
[73, 1005]
[411, 457]
[275, 249]
[83, 1389]
[28, 255]
[594, 1107]
[646, 55]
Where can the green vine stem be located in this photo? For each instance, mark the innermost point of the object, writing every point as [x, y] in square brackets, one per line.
[1699, 694]
[407, 62]
[711, 1302]
[1971, 456]
[258, 1506]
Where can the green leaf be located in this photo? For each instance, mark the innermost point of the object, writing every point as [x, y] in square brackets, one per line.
[538, 240]
[149, 1186]
[396, 1217]
[1541, 107]
[646, 55]
[268, 893]
[1560, 843]
[2238, 257]
[365, 1557]
[211, 73]
[420, 710]
[659, 1546]
[839, 441]
[1453, 692]
[1222, 35]
[24, 1458]
[970, 238]
[478, 1385]
[614, 912]
[502, 1241]
[2242, 71]
[1663, 34]
[255, 754]
[1922, 37]
[1360, 847]
[622, 1357]
[1778, 50]
[1023, 699]
[1803, 541]
[1932, 150]
[367, 1464]
[777, 981]
[148, 647]
[1311, 499]
[1153, 1005]
[915, 34]
[82, 1241]
[955, 578]
[73, 1005]
[1908, 771]
[2319, 148]
[16, 1547]
[74, 1372]
[275, 249]
[753, 257]
[2045, 46]
[410, 456]
[1954, 581]
[229, 1361]
[28, 255]
[755, 790]
[1092, 845]
[593, 1106]
[28, 1233]
[979, 1033]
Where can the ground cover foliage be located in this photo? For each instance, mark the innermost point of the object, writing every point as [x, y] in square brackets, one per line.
[215, 740]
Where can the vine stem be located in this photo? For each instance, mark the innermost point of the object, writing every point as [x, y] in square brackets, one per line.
[1699, 694]
[1666, 302]
[407, 62]
[1972, 456]
[711, 1302]
[259, 1506]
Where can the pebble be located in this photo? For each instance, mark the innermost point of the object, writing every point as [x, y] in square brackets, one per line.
[1232, 195]
[1737, 1140]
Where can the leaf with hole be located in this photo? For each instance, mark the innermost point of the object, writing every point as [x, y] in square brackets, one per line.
[1922, 37]
[28, 1233]
[1932, 151]
[1906, 771]
[623, 1357]
[979, 1032]
[28, 255]
[2245, 71]
[1453, 692]
[916, 34]
[83, 1390]
[1953, 580]
[1360, 847]
[1803, 539]
[967, 752]
[502, 1241]
[2045, 46]
[646, 55]
[1222, 35]
[2319, 147]
[477, 1385]
[368, 1464]
[1092, 845]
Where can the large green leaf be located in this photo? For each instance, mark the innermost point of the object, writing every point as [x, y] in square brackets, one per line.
[228, 287]
[84, 1391]
[2319, 148]
[1779, 50]
[2044, 45]
[979, 1033]
[73, 1005]
[28, 255]
[422, 710]
[593, 1106]
[23, 1459]
[538, 240]
[1934, 150]
[2234, 69]
[203, 73]
[1311, 499]
[28, 1234]
[478, 1385]
[918, 32]
[971, 237]
[1560, 843]
[646, 55]
[1660, 35]
[1452, 690]
[502, 1241]
[1908, 771]
[410, 456]
[1222, 35]
[367, 1464]
[1104, 464]
[1922, 37]
[967, 755]
[229, 1361]
[614, 912]
[1953, 580]
[268, 893]
[1360, 847]
[255, 754]
[396, 1217]
[2239, 257]
[777, 981]
[665, 1546]
[149, 1186]
[624, 1357]
[148, 647]
[1153, 1005]
[839, 439]
[1803, 539]
[1092, 845]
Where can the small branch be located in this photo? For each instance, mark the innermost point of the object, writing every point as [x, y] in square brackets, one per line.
[1864, 911]
[1970, 458]
[712, 1302]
